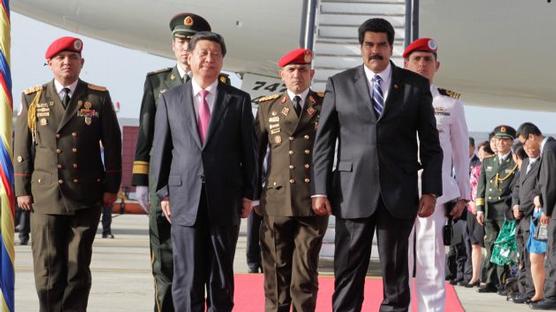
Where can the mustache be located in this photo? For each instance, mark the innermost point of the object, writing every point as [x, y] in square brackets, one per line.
[376, 57]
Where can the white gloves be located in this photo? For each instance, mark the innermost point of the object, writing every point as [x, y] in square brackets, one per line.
[142, 194]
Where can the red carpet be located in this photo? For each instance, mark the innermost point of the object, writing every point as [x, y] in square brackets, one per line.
[249, 294]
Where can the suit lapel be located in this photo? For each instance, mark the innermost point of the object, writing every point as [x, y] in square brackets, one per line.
[73, 106]
[186, 97]
[222, 99]
[394, 92]
[363, 92]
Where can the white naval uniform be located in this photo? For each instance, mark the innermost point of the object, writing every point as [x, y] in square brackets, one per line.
[427, 288]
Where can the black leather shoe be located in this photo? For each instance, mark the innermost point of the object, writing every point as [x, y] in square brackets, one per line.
[254, 269]
[108, 235]
[471, 285]
[530, 301]
[545, 304]
[519, 298]
[502, 292]
[463, 283]
[455, 281]
[487, 289]
[24, 241]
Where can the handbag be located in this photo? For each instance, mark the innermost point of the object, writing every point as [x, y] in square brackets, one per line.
[541, 232]
[504, 251]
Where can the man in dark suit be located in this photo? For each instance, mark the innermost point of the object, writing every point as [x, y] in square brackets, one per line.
[291, 233]
[183, 26]
[532, 137]
[375, 111]
[205, 168]
[60, 176]
[523, 194]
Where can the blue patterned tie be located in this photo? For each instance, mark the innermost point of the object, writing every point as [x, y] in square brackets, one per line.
[378, 96]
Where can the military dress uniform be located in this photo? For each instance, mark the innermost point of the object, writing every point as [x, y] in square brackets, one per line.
[291, 234]
[427, 251]
[58, 162]
[494, 196]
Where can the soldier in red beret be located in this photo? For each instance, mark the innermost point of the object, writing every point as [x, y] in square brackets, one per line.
[291, 233]
[61, 177]
[427, 288]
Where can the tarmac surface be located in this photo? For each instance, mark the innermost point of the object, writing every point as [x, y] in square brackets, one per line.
[122, 279]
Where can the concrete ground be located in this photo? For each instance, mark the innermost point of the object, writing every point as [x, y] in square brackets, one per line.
[122, 279]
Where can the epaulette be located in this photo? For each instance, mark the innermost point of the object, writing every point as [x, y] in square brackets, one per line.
[320, 93]
[268, 97]
[32, 89]
[163, 70]
[96, 88]
[450, 93]
[225, 79]
[489, 156]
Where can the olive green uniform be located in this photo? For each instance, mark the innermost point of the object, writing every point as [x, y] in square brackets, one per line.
[157, 83]
[494, 192]
[291, 234]
[58, 162]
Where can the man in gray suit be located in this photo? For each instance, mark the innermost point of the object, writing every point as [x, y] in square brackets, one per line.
[375, 111]
[205, 168]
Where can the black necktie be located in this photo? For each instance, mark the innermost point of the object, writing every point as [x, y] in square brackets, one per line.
[66, 99]
[297, 105]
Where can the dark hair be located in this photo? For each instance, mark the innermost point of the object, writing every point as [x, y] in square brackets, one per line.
[491, 135]
[527, 128]
[517, 149]
[377, 25]
[486, 147]
[472, 141]
[207, 35]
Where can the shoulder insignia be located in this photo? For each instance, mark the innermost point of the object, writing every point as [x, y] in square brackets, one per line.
[489, 156]
[163, 70]
[268, 98]
[96, 88]
[32, 89]
[449, 93]
[320, 94]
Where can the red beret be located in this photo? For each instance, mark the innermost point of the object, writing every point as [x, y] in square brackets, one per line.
[297, 56]
[421, 44]
[63, 44]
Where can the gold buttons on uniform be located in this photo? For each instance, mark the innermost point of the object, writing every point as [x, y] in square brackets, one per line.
[307, 152]
[290, 152]
[291, 167]
[59, 166]
[74, 150]
[58, 151]
[290, 138]
[75, 180]
[74, 165]
[60, 181]
[57, 135]
[19, 159]
[307, 166]
[306, 137]
[74, 134]
[307, 180]
[292, 181]
[39, 180]
[274, 184]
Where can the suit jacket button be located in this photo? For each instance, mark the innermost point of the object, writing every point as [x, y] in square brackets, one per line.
[74, 134]
[307, 166]
[292, 181]
[307, 180]
[98, 179]
[74, 150]
[307, 152]
[290, 152]
[59, 166]
[60, 181]
[57, 135]
[74, 165]
[291, 138]
[39, 180]
[291, 167]
[58, 151]
[75, 180]
[306, 137]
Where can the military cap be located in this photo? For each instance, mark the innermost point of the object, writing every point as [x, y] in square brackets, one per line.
[421, 44]
[504, 131]
[185, 25]
[296, 56]
[63, 44]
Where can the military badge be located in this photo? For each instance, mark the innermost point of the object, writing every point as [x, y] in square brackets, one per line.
[274, 119]
[172, 77]
[277, 139]
[274, 125]
[274, 113]
[77, 44]
[43, 122]
[88, 121]
[311, 99]
[308, 57]
[285, 111]
[275, 131]
[488, 168]
[311, 111]
[87, 113]
[19, 159]
[284, 99]
[188, 21]
[88, 105]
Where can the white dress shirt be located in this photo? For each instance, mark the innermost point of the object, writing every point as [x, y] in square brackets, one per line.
[302, 95]
[197, 98]
[60, 87]
[386, 76]
[181, 71]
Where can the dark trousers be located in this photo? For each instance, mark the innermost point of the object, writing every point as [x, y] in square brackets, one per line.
[353, 244]
[161, 255]
[106, 220]
[524, 278]
[290, 248]
[62, 250]
[24, 222]
[253, 251]
[457, 254]
[496, 275]
[550, 262]
[204, 258]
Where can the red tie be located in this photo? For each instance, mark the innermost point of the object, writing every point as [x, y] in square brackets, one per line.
[204, 116]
